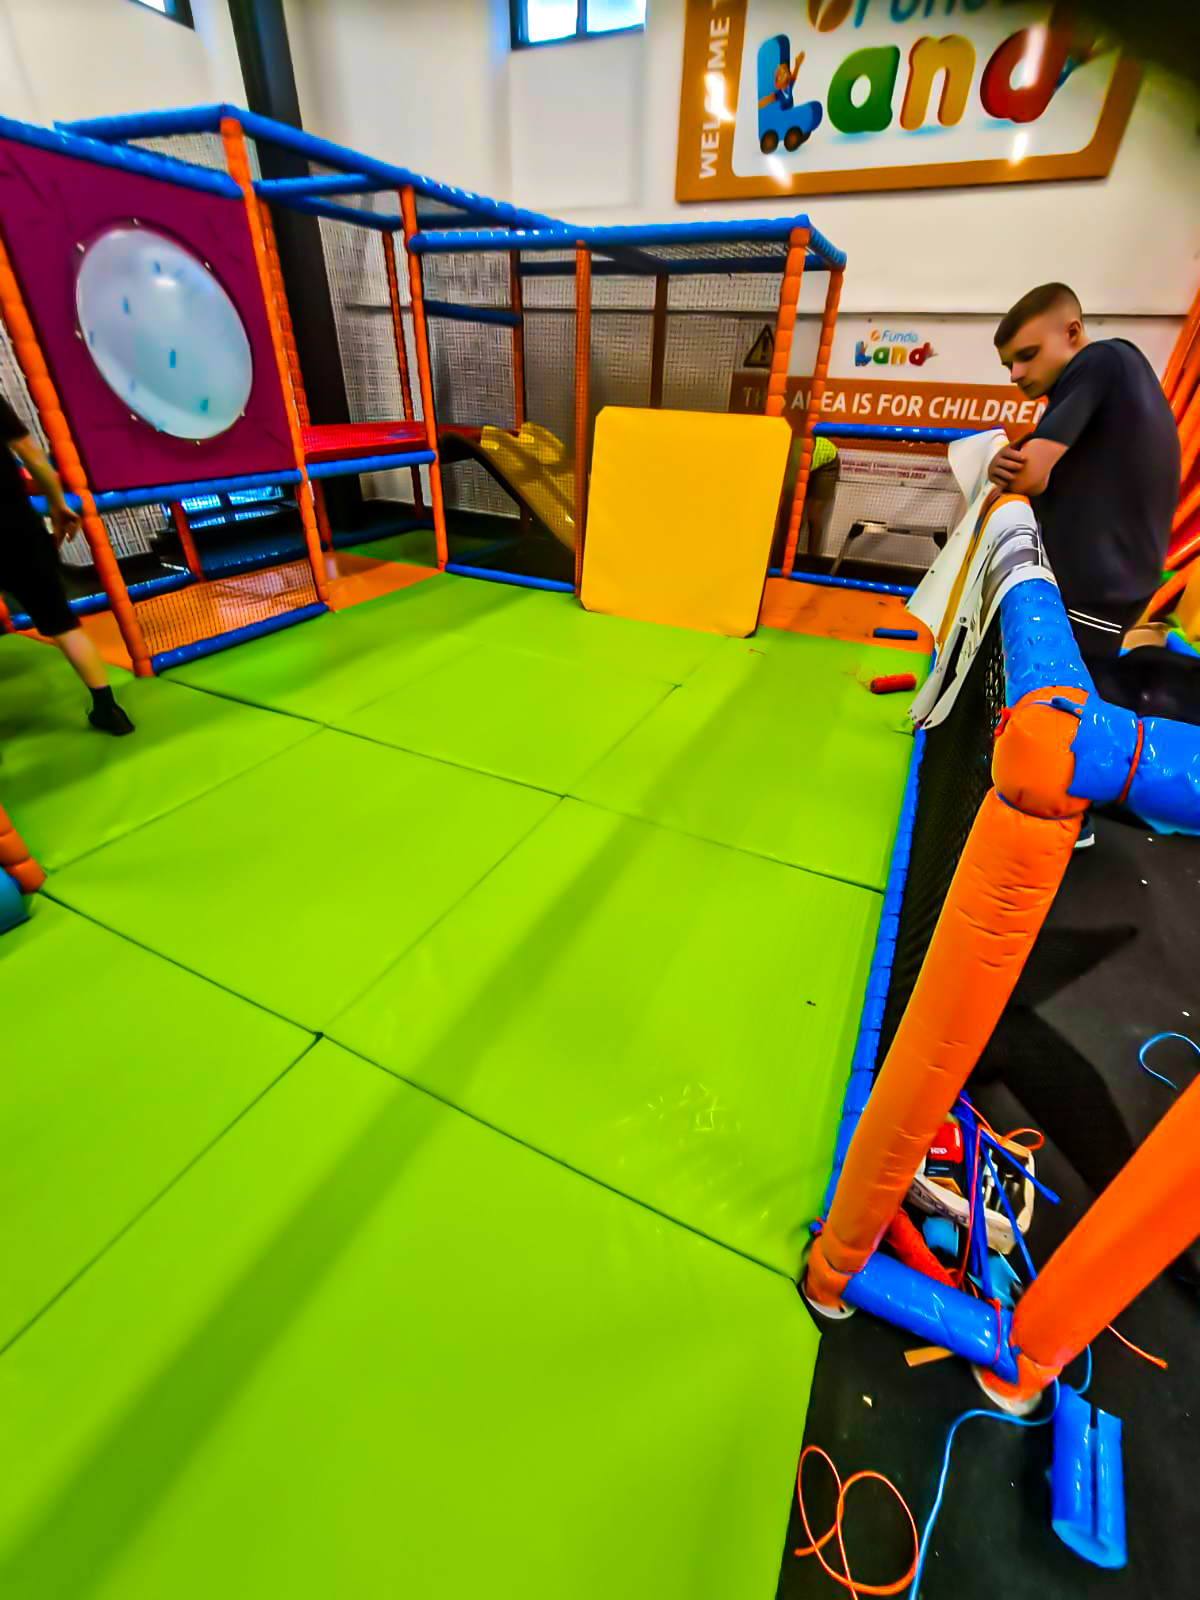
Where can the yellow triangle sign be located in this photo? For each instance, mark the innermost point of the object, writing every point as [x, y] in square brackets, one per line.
[762, 350]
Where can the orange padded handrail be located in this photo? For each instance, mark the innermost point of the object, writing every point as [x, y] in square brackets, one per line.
[15, 858]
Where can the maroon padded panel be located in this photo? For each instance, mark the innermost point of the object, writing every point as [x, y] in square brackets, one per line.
[49, 205]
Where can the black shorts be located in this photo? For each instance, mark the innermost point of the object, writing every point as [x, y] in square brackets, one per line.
[29, 571]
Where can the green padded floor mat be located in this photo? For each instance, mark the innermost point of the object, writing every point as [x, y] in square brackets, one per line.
[335, 664]
[778, 749]
[69, 789]
[298, 883]
[674, 1018]
[526, 717]
[367, 1346]
[119, 1069]
[556, 625]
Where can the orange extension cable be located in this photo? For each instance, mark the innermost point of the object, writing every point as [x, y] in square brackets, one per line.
[815, 1547]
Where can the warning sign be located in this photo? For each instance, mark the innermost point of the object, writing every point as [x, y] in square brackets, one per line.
[762, 350]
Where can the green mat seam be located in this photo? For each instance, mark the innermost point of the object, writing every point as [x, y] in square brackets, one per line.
[558, 1161]
[166, 1188]
[149, 822]
[723, 844]
[47, 893]
[241, 700]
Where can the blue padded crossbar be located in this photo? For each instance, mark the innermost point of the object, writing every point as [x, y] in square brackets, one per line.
[879, 430]
[834, 581]
[143, 162]
[381, 221]
[225, 641]
[514, 578]
[207, 119]
[973, 1329]
[118, 499]
[85, 604]
[645, 236]
[454, 312]
[705, 267]
[288, 189]
[355, 464]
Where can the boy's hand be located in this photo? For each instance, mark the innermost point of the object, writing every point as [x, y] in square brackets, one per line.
[65, 522]
[1006, 465]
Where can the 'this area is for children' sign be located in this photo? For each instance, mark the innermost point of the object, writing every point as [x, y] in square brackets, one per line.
[825, 96]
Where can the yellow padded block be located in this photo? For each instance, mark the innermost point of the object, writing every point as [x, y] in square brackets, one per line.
[1188, 609]
[681, 510]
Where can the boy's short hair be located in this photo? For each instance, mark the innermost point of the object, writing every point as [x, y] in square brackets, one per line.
[1044, 298]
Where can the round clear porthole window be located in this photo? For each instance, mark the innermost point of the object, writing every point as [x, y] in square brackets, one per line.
[163, 333]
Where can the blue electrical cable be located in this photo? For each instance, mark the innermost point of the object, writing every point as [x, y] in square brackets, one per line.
[1158, 1038]
[988, 1416]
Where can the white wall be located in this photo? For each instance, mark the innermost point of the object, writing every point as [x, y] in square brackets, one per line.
[422, 83]
[61, 59]
[589, 131]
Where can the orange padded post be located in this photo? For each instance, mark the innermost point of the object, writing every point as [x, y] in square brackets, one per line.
[70, 468]
[283, 311]
[416, 295]
[1185, 385]
[833, 295]
[15, 858]
[1146, 1216]
[1007, 877]
[389, 262]
[239, 170]
[184, 532]
[785, 321]
[1182, 348]
[658, 339]
[583, 374]
[5, 620]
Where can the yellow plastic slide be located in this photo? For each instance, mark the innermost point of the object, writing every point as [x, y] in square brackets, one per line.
[534, 464]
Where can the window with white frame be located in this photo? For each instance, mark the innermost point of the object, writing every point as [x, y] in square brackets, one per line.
[177, 10]
[552, 21]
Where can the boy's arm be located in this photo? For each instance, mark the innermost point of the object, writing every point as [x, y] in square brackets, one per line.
[1026, 468]
[31, 455]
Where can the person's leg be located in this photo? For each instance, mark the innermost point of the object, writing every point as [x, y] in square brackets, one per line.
[34, 575]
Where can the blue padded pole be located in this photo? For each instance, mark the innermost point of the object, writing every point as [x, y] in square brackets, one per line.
[356, 464]
[947, 1317]
[454, 312]
[514, 578]
[143, 162]
[560, 236]
[654, 267]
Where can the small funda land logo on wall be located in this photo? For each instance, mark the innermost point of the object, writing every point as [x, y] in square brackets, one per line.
[887, 348]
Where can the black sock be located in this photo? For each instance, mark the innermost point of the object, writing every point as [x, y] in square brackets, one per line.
[107, 715]
[102, 699]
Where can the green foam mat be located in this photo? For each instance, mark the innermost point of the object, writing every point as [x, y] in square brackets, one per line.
[672, 1017]
[119, 1069]
[779, 749]
[69, 789]
[369, 1347]
[526, 717]
[342, 661]
[298, 883]
[557, 626]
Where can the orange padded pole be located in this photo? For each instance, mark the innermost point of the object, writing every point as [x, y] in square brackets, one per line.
[190, 554]
[416, 295]
[15, 858]
[583, 376]
[1189, 504]
[1182, 348]
[5, 620]
[785, 321]
[1185, 386]
[1007, 877]
[812, 413]
[1189, 437]
[239, 170]
[284, 313]
[1170, 590]
[393, 282]
[1146, 1216]
[658, 339]
[70, 468]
